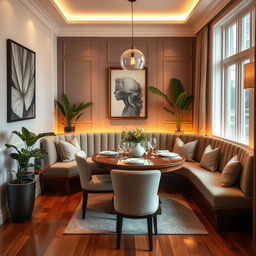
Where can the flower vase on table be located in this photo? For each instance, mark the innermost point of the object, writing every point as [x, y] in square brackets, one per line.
[137, 150]
[135, 136]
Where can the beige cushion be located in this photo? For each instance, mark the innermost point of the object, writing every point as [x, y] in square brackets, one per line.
[75, 143]
[231, 172]
[67, 150]
[187, 150]
[208, 183]
[210, 158]
[62, 169]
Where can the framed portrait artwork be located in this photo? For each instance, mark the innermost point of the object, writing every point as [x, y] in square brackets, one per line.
[127, 94]
[20, 82]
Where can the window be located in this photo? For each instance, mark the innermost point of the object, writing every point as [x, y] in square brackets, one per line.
[233, 48]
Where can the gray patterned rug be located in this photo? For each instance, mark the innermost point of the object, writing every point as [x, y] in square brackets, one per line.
[176, 218]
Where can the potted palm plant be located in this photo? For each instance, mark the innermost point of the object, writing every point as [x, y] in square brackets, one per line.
[179, 105]
[71, 112]
[21, 191]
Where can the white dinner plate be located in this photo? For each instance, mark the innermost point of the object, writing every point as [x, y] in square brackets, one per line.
[168, 154]
[139, 161]
[109, 153]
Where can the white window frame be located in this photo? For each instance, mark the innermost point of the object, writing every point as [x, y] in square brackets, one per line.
[219, 69]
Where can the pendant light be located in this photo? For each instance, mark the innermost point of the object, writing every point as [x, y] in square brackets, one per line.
[132, 59]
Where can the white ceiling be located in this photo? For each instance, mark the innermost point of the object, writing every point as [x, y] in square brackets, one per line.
[112, 17]
[120, 10]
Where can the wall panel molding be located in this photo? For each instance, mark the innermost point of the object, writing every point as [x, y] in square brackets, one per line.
[78, 68]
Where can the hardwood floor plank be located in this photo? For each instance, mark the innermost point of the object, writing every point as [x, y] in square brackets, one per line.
[44, 236]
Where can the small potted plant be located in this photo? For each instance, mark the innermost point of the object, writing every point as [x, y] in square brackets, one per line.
[71, 112]
[135, 136]
[179, 105]
[21, 191]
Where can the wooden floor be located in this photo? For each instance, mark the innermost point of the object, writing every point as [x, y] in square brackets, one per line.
[43, 236]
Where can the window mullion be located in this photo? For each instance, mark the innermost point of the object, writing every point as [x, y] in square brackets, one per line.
[239, 105]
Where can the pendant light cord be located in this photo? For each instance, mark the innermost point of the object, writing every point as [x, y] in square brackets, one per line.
[132, 23]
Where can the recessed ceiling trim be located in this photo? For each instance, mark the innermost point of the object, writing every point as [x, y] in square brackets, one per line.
[70, 17]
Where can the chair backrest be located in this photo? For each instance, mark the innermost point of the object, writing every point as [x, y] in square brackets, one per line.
[83, 167]
[136, 192]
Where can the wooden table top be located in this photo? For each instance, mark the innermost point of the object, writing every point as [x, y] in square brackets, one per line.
[157, 163]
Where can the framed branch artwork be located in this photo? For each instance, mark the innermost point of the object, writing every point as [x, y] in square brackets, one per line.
[127, 94]
[21, 63]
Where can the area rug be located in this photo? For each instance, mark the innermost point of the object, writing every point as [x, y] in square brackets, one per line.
[176, 218]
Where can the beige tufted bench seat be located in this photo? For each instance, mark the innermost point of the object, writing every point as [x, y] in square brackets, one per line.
[228, 208]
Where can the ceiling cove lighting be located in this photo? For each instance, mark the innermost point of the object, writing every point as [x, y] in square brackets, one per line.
[71, 15]
[132, 59]
[249, 75]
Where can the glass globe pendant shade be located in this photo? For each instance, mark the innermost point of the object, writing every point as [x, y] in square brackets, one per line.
[132, 59]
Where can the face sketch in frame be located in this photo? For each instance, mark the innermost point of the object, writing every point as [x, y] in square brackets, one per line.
[129, 91]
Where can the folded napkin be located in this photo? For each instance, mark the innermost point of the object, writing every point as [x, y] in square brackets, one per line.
[108, 153]
[139, 161]
[168, 154]
[159, 151]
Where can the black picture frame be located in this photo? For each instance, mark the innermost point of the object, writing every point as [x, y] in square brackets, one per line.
[21, 82]
[117, 106]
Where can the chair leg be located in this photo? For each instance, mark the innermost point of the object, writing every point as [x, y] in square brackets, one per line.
[119, 224]
[150, 236]
[85, 198]
[155, 223]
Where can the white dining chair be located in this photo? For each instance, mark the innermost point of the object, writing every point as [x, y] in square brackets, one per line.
[90, 183]
[135, 196]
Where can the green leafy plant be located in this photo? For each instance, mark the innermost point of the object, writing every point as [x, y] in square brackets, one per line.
[181, 101]
[71, 112]
[134, 135]
[23, 155]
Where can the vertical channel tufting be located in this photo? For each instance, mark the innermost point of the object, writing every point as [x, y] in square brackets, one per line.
[111, 141]
[163, 141]
[201, 148]
[230, 152]
[183, 138]
[223, 147]
[104, 141]
[90, 144]
[77, 136]
[157, 136]
[84, 143]
[97, 143]
[246, 178]
[169, 139]
[225, 154]
[118, 138]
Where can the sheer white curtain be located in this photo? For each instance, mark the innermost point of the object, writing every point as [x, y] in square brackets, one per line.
[201, 74]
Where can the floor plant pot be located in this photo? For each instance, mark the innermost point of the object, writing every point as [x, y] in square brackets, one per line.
[21, 200]
[69, 128]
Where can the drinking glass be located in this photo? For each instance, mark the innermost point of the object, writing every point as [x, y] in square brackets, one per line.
[125, 146]
[147, 147]
[121, 149]
[153, 146]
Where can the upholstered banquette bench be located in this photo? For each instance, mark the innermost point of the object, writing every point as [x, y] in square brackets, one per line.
[228, 208]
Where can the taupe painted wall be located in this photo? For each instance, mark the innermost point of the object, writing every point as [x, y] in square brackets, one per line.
[83, 75]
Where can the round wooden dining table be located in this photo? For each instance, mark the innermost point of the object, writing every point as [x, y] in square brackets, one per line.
[156, 163]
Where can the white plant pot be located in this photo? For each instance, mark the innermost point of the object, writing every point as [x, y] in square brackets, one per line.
[137, 150]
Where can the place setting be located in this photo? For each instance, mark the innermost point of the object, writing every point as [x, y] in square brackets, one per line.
[137, 151]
